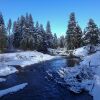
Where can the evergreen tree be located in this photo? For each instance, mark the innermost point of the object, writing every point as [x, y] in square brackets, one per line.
[9, 27]
[27, 42]
[62, 42]
[73, 34]
[99, 36]
[3, 36]
[55, 41]
[37, 26]
[17, 31]
[78, 37]
[91, 33]
[31, 23]
[49, 36]
[21, 23]
[41, 40]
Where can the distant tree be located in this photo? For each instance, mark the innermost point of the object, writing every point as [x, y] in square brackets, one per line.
[62, 42]
[55, 41]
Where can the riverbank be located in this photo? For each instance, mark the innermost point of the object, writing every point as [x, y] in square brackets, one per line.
[22, 59]
[83, 76]
[86, 75]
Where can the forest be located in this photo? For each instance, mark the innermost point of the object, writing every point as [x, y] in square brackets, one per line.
[25, 34]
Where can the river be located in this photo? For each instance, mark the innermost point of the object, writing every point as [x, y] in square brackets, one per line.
[40, 86]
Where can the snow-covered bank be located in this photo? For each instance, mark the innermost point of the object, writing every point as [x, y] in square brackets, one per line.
[86, 75]
[78, 78]
[94, 60]
[24, 58]
[13, 89]
[21, 59]
[96, 89]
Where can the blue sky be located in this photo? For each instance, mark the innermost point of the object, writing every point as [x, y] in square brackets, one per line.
[56, 11]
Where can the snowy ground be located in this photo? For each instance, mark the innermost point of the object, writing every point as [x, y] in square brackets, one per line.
[58, 51]
[94, 60]
[63, 51]
[6, 70]
[81, 52]
[2, 79]
[22, 59]
[12, 89]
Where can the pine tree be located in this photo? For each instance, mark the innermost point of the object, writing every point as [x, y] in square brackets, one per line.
[55, 41]
[31, 23]
[62, 42]
[27, 42]
[41, 40]
[37, 26]
[71, 32]
[9, 27]
[17, 31]
[99, 36]
[78, 37]
[3, 37]
[91, 33]
[49, 35]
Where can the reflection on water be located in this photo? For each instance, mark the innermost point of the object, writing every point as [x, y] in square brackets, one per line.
[71, 62]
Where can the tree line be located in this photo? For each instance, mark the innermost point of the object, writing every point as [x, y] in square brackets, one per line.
[25, 34]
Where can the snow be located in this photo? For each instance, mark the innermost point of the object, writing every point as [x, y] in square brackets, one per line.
[25, 58]
[78, 78]
[80, 51]
[22, 59]
[58, 51]
[6, 70]
[2, 79]
[94, 60]
[96, 89]
[12, 89]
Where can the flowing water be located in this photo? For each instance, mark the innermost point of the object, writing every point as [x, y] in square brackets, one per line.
[40, 86]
